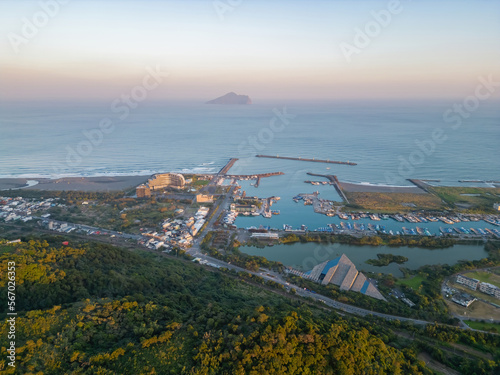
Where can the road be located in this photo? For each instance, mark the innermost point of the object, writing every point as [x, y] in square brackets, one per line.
[195, 251]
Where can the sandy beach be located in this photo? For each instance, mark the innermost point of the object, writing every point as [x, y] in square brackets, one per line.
[111, 183]
[365, 188]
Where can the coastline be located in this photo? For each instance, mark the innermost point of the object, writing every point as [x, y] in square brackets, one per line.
[91, 184]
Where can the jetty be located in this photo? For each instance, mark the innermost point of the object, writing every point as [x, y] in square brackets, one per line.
[335, 182]
[306, 159]
[480, 181]
[420, 184]
[256, 177]
[253, 176]
[228, 166]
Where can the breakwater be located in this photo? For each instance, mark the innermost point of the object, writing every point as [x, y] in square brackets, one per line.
[307, 159]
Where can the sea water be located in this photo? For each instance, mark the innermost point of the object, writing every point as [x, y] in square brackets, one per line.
[388, 140]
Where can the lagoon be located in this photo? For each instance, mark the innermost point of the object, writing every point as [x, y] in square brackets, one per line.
[304, 256]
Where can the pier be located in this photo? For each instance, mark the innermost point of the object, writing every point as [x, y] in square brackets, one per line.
[227, 167]
[306, 159]
[257, 176]
[335, 182]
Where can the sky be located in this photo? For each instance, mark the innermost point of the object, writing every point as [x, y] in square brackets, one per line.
[75, 49]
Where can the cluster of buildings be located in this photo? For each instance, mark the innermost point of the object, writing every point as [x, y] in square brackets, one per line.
[199, 219]
[160, 181]
[19, 208]
[475, 284]
[343, 273]
[171, 180]
[58, 227]
[176, 232]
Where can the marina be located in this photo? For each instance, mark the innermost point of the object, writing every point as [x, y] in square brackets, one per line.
[295, 216]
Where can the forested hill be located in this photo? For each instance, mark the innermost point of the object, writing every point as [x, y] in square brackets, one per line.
[99, 309]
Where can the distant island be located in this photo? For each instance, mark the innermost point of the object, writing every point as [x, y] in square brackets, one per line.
[231, 98]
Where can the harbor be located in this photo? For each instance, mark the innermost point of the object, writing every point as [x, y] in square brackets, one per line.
[335, 182]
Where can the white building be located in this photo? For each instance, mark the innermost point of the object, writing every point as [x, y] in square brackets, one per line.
[490, 289]
[268, 235]
[468, 282]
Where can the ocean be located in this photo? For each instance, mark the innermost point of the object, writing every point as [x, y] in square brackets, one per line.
[390, 140]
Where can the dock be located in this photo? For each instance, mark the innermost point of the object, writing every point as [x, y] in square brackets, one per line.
[257, 176]
[306, 159]
[335, 182]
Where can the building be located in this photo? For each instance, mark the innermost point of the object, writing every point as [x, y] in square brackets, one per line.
[268, 235]
[197, 226]
[496, 206]
[204, 198]
[468, 282]
[490, 289]
[143, 191]
[343, 273]
[463, 299]
[243, 207]
[201, 213]
[162, 180]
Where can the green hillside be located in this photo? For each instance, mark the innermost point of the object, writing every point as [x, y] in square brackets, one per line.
[99, 309]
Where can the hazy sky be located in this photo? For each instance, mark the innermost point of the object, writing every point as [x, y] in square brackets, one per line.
[266, 49]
